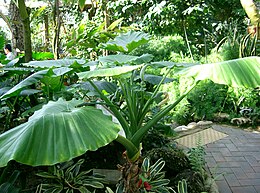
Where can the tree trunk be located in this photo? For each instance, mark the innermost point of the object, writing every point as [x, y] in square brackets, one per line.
[17, 26]
[57, 25]
[106, 19]
[130, 176]
[46, 28]
[26, 29]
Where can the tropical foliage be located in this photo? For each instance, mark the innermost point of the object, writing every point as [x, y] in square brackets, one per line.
[53, 111]
[81, 126]
[67, 177]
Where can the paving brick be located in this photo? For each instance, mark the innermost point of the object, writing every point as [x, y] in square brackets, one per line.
[221, 171]
[218, 157]
[253, 136]
[223, 187]
[252, 160]
[239, 173]
[254, 140]
[208, 154]
[253, 175]
[248, 149]
[216, 145]
[211, 162]
[231, 147]
[244, 189]
[212, 149]
[238, 143]
[225, 141]
[232, 180]
[257, 188]
[229, 164]
[219, 177]
[238, 158]
[246, 167]
[257, 157]
[225, 152]
[239, 153]
[256, 169]
[253, 182]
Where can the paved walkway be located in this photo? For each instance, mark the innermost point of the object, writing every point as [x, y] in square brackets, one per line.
[235, 161]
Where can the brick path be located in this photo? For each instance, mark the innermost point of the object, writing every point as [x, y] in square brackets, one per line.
[235, 160]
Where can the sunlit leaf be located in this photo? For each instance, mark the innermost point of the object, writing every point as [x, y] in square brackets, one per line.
[127, 42]
[38, 12]
[57, 133]
[239, 72]
[42, 55]
[81, 4]
[114, 24]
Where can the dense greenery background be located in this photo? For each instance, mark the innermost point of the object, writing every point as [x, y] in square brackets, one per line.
[118, 38]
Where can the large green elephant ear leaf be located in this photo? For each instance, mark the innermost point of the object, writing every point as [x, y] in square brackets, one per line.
[127, 42]
[239, 72]
[57, 133]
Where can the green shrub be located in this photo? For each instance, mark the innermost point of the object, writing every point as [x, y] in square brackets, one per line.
[181, 113]
[239, 98]
[175, 160]
[228, 51]
[195, 181]
[196, 156]
[167, 48]
[207, 99]
[154, 139]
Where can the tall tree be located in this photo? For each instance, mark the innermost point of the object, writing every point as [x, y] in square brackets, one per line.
[57, 26]
[24, 14]
[16, 26]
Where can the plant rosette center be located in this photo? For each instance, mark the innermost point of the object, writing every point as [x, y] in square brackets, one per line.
[143, 183]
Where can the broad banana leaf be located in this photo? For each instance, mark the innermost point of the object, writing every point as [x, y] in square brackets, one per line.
[57, 133]
[239, 72]
[127, 42]
[32, 79]
[107, 72]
